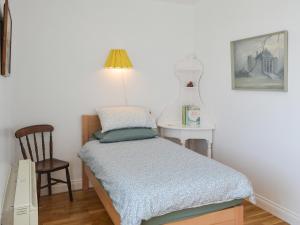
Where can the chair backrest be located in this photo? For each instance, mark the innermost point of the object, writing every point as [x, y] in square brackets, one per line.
[26, 132]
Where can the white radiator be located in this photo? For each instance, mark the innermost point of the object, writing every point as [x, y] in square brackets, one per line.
[21, 207]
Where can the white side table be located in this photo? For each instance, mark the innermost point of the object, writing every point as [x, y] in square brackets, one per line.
[185, 133]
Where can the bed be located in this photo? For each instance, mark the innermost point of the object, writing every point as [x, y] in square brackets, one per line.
[229, 212]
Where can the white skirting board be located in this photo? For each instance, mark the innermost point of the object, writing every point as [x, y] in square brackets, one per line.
[264, 203]
[277, 210]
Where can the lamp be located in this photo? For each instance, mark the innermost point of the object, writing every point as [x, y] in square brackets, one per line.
[118, 59]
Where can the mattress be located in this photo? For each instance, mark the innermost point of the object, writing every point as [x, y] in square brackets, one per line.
[149, 178]
[189, 213]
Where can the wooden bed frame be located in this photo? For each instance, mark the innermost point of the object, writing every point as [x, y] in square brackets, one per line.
[230, 216]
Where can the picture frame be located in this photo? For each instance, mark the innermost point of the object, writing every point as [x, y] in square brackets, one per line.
[260, 63]
[6, 37]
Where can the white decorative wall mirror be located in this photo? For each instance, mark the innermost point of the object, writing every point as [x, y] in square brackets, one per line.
[188, 72]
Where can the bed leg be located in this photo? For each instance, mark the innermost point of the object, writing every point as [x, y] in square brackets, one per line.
[239, 215]
[85, 179]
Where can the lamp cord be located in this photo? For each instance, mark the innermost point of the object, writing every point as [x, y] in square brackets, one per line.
[124, 88]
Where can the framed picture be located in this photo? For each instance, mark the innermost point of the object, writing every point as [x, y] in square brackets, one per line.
[6, 41]
[260, 63]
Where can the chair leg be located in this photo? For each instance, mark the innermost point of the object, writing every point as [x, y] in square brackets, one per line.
[49, 184]
[39, 186]
[69, 184]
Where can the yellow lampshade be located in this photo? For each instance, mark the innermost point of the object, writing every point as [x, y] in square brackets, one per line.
[118, 58]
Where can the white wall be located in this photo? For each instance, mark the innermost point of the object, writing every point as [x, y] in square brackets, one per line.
[6, 138]
[6, 128]
[60, 49]
[257, 132]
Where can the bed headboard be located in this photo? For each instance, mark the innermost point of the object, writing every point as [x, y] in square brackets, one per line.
[90, 124]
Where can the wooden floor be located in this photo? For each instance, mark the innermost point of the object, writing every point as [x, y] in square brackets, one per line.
[87, 210]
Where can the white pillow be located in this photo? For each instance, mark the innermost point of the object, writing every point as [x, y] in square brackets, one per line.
[117, 117]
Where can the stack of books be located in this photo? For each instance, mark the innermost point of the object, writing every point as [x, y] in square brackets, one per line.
[190, 116]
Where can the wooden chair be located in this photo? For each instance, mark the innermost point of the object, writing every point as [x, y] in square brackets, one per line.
[44, 165]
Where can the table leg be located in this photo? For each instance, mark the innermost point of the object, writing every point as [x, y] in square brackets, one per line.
[182, 142]
[209, 149]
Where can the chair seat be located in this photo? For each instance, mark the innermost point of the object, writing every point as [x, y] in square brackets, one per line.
[50, 165]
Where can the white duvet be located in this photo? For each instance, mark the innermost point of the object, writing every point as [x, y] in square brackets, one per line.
[152, 177]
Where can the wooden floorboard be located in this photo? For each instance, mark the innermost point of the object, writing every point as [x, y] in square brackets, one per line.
[88, 210]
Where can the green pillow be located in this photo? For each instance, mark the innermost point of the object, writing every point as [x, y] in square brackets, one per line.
[125, 134]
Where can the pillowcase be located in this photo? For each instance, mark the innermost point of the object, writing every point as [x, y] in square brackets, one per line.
[125, 134]
[97, 135]
[118, 117]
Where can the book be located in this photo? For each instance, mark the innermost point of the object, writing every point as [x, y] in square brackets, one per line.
[183, 110]
[190, 116]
